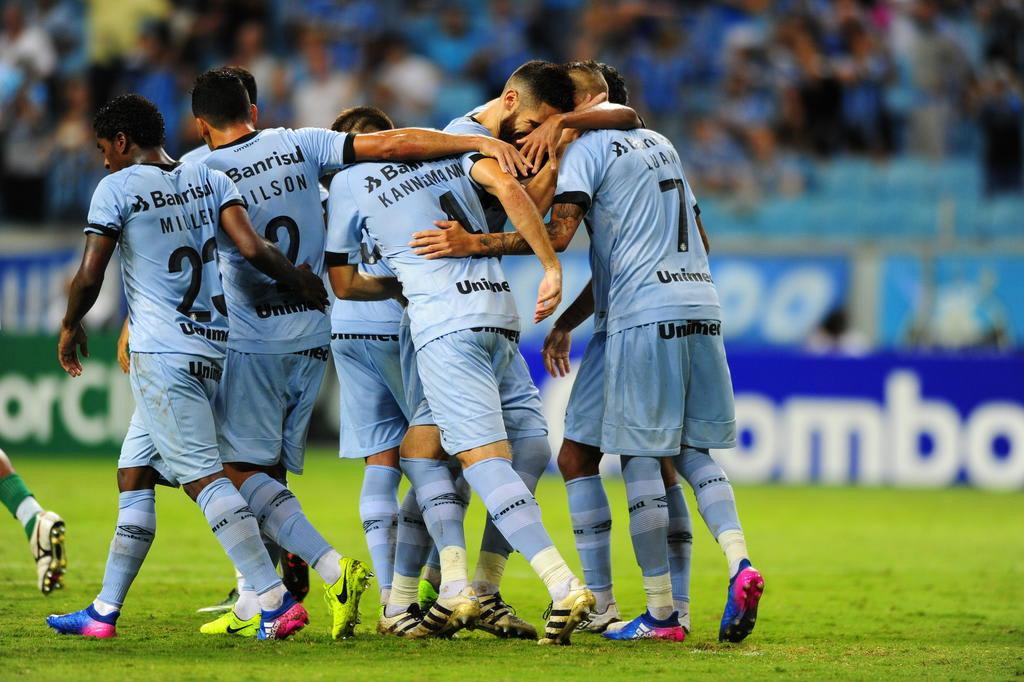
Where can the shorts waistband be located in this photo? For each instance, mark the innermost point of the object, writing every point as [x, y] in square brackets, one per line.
[507, 333]
[365, 337]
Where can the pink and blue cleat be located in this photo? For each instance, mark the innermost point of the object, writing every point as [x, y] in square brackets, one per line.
[87, 623]
[284, 621]
[645, 626]
[745, 590]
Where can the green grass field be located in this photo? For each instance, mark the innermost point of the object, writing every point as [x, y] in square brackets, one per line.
[860, 584]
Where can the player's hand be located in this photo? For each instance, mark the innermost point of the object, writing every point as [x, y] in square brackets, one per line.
[507, 156]
[451, 241]
[545, 139]
[310, 288]
[71, 338]
[549, 294]
[556, 351]
[123, 359]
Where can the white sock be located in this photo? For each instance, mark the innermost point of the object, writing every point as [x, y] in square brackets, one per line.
[103, 608]
[27, 510]
[404, 591]
[328, 567]
[555, 573]
[734, 544]
[385, 594]
[603, 598]
[454, 572]
[683, 609]
[272, 598]
[658, 589]
[489, 569]
[248, 604]
[239, 581]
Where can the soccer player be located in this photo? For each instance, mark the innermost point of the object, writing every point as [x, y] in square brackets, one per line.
[278, 348]
[44, 529]
[464, 328]
[165, 216]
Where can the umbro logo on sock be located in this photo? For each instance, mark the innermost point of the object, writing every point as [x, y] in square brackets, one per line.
[136, 532]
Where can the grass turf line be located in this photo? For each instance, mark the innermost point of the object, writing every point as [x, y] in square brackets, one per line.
[860, 583]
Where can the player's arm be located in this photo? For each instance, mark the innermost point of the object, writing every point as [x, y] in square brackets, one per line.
[558, 342]
[269, 260]
[416, 144]
[595, 114]
[82, 294]
[352, 285]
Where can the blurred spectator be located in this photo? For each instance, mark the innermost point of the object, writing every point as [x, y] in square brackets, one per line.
[322, 91]
[1001, 115]
[407, 84]
[454, 44]
[151, 73]
[77, 165]
[834, 336]
[27, 47]
[26, 157]
[250, 52]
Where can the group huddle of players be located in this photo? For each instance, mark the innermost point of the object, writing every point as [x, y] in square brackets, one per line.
[223, 256]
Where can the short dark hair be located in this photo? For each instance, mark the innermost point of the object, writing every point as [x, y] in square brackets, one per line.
[618, 93]
[219, 96]
[248, 80]
[133, 115]
[546, 82]
[362, 120]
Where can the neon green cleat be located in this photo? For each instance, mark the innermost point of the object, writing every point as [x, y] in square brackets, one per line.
[230, 624]
[342, 597]
[427, 595]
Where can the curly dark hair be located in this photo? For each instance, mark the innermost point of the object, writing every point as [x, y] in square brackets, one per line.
[133, 115]
[618, 93]
[220, 97]
[362, 120]
[541, 81]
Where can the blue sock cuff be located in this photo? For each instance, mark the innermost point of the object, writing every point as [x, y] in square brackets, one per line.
[383, 470]
[252, 484]
[212, 490]
[489, 460]
[581, 479]
[95, 615]
[131, 497]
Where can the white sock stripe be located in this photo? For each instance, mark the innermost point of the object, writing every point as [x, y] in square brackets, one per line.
[505, 494]
[224, 504]
[713, 495]
[27, 509]
[706, 473]
[646, 521]
[591, 516]
[653, 488]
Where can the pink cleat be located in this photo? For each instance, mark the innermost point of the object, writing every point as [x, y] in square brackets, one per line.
[284, 621]
[745, 590]
[86, 623]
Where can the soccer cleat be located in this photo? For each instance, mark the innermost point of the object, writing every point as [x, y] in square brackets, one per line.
[284, 621]
[564, 616]
[343, 596]
[87, 623]
[745, 590]
[427, 595]
[399, 624]
[47, 547]
[646, 626]
[447, 616]
[230, 624]
[295, 576]
[598, 622]
[223, 606]
[500, 619]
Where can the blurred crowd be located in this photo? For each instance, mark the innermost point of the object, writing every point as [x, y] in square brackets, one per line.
[754, 92]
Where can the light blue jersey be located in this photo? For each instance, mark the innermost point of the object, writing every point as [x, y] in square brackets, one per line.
[643, 227]
[362, 317]
[468, 125]
[197, 155]
[394, 200]
[165, 218]
[277, 172]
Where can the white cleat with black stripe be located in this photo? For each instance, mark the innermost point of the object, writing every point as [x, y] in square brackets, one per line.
[47, 547]
[448, 615]
[400, 624]
[564, 615]
[500, 619]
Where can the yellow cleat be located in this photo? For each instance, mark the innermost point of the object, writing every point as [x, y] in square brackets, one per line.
[342, 597]
[230, 624]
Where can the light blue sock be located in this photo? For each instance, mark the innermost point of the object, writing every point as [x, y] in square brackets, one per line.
[443, 509]
[511, 505]
[680, 547]
[592, 530]
[378, 510]
[136, 529]
[413, 542]
[235, 527]
[281, 519]
[648, 528]
[530, 457]
[715, 499]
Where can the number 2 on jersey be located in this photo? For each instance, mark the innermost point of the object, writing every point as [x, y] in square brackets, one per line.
[683, 242]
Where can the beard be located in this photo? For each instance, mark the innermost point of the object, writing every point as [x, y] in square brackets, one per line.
[507, 131]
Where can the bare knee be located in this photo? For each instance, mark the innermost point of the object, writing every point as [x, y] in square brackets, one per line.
[576, 460]
[387, 458]
[422, 442]
[195, 487]
[136, 478]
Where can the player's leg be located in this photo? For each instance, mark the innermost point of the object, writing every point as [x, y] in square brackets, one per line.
[680, 541]
[643, 422]
[44, 529]
[710, 423]
[378, 511]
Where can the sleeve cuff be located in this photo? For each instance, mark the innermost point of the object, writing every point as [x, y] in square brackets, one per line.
[333, 258]
[232, 202]
[105, 230]
[348, 153]
[581, 199]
